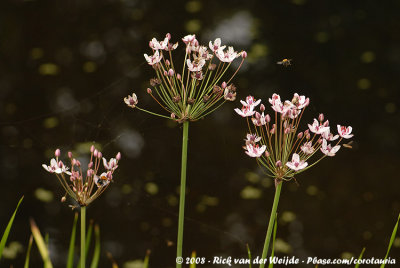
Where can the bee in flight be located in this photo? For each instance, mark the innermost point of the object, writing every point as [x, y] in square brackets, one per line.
[285, 62]
[348, 145]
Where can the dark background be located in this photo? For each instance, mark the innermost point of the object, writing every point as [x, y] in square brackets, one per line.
[65, 67]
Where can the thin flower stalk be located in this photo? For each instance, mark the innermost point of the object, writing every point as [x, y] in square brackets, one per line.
[280, 148]
[83, 189]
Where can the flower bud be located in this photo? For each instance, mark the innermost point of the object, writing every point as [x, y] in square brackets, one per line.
[99, 154]
[278, 163]
[92, 148]
[149, 91]
[262, 107]
[69, 155]
[267, 118]
[326, 123]
[244, 54]
[165, 73]
[171, 72]
[167, 63]
[63, 199]
[73, 162]
[89, 172]
[78, 163]
[223, 85]
[308, 136]
[118, 157]
[60, 164]
[90, 165]
[300, 135]
[150, 44]
[212, 66]
[267, 154]
[321, 117]
[168, 35]
[57, 152]
[178, 76]
[258, 115]
[173, 116]
[287, 130]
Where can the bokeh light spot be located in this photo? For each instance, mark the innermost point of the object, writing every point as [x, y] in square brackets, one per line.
[364, 83]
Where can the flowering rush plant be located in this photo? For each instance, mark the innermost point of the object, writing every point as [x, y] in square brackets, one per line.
[281, 149]
[83, 189]
[196, 89]
[276, 142]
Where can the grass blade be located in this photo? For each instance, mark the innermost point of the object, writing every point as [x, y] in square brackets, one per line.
[71, 250]
[43, 250]
[193, 265]
[88, 241]
[146, 259]
[391, 240]
[249, 253]
[28, 252]
[8, 229]
[96, 253]
[360, 257]
[273, 242]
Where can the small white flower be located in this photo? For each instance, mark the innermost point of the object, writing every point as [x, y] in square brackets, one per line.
[252, 139]
[328, 149]
[216, 45]
[300, 101]
[227, 56]
[344, 132]
[317, 128]
[307, 148]
[203, 53]
[131, 101]
[255, 150]
[296, 164]
[153, 59]
[250, 101]
[189, 38]
[56, 167]
[195, 66]
[111, 165]
[154, 44]
[245, 111]
[101, 180]
[327, 135]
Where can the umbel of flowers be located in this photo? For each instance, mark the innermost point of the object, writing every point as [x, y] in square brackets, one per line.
[83, 187]
[277, 144]
[197, 87]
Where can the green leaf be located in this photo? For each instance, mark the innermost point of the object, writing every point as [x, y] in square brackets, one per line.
[273, 241]
[71, 250]
[360, 257]
[96, 253]
[249, 253]
[391, 240]
[40, 242]
[8, 229]
[146, 259]
[28, 252]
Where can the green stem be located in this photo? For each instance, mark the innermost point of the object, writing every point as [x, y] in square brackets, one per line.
[183, 188]
[271, 222]
[83, 234]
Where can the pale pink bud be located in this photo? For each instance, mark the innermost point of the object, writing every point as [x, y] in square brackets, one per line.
[307, 132]
[118, 157]
[168, 35]
[149, 91]
[78, 163]
[99, 154]
[95, 153]
[171, 72]
[60, 164]
[69, 154]
[262, 108]
[196, 43]
[321, 117]
[178, 76]
[92, 148]
[74, 188]
[73, 162]
[244, 54]
[272, 131]
[173, 116]
[300, 135]
[308, 136]
[57, 152]
[287, 130]
[165, 73]
[90, 165]
[258, 115]
[278, 163]
[63, 199]
[89, 173]
[223, 85]
[167, 63]
[326, 123]
[150, 44]
[267, 118]
[267, 154]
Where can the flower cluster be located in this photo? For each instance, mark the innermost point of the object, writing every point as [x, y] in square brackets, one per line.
[198, 89]
[278, 146]
[83, 189]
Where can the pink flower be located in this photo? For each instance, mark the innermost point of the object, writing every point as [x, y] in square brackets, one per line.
[154, 44]
[260, 119]
[245, 111]
[328, 149]
[195, 66]
[344, 132]
[227, 56]
[317, 128]
[307, 148]
[56, 167]
[327, 135]
[189, 38]
[131, 101]
[255, 150]
[156, 58]
[296, 164]
[300, 101]
[111, 165]
[216, 45]
[252, 139]
[250, 101]
[203, 53]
